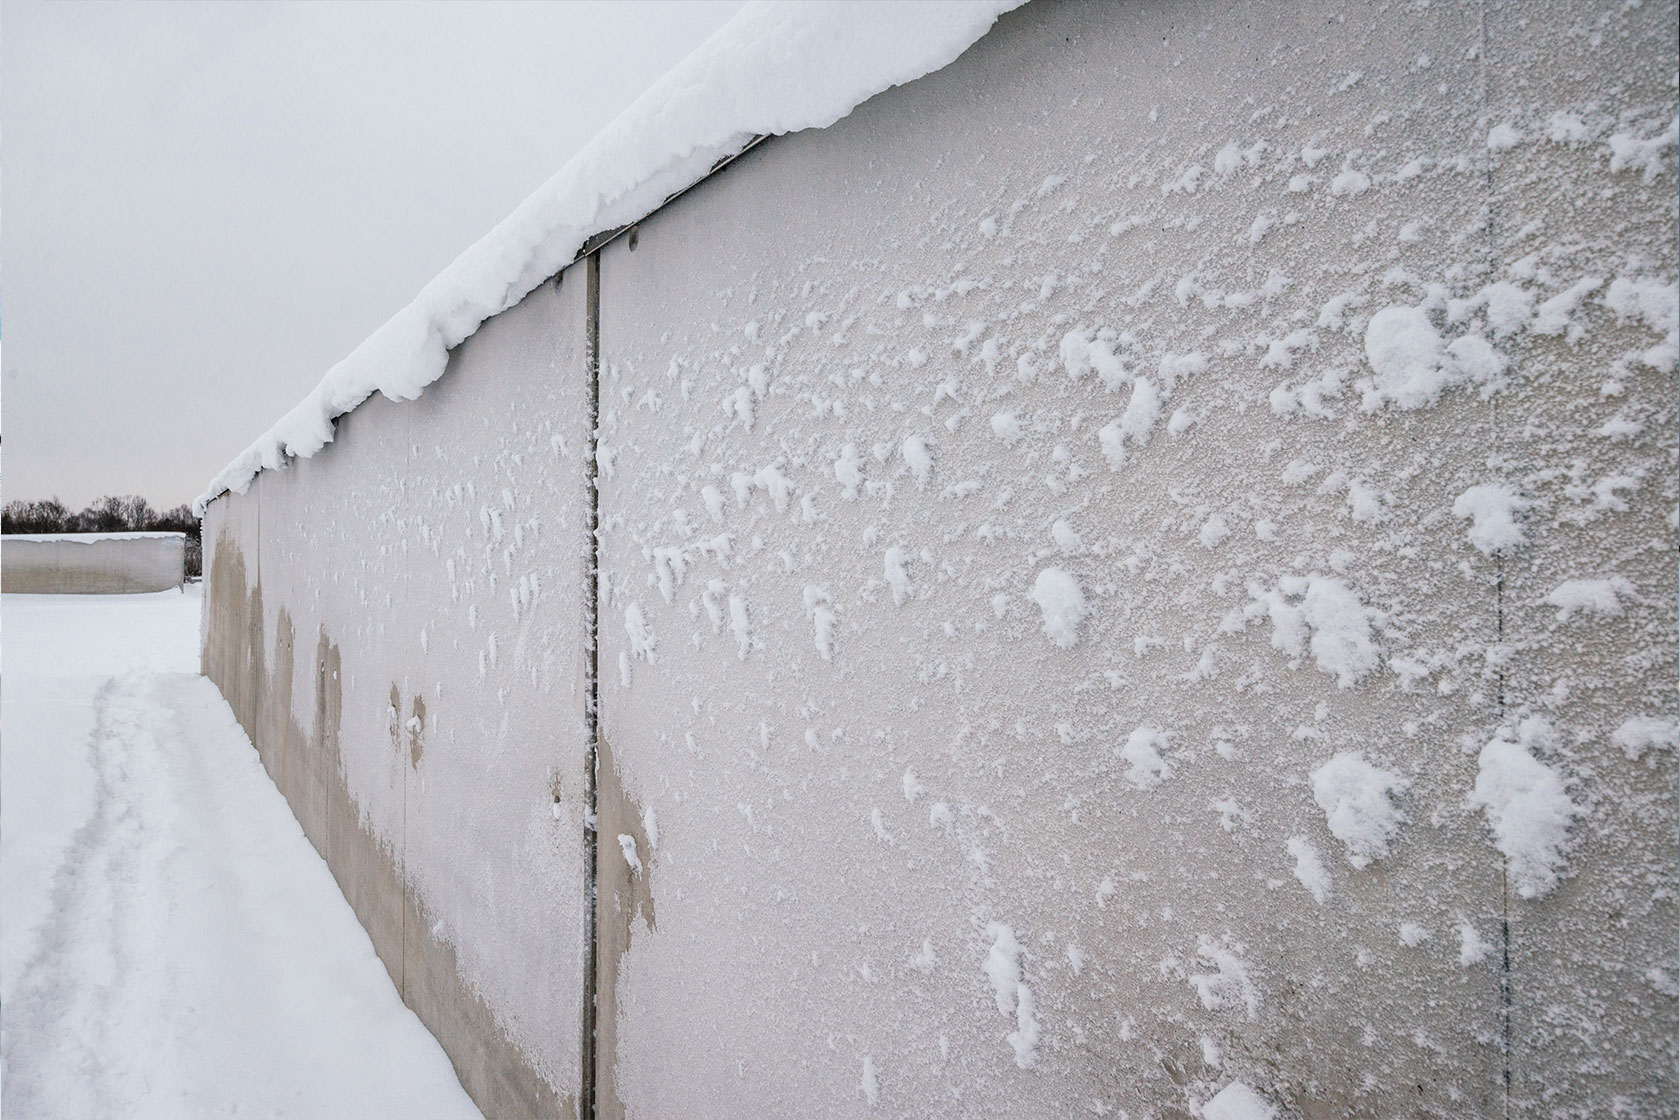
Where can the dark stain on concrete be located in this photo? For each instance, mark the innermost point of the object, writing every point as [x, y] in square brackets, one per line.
[414, 727]
[622, 895]
[276, 744]
[308, 770]
[233, 654]
[416, 730]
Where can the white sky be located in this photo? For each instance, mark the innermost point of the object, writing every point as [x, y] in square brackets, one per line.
[208, 205]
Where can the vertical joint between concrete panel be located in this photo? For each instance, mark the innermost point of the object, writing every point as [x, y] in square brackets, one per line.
[592, 357]
[1490, 240]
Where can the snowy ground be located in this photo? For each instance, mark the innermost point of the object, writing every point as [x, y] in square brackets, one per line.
[170, 943]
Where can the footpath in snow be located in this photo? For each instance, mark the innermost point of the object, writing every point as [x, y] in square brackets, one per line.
[170, 943]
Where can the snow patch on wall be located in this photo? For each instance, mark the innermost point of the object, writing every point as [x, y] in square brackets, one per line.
[1238, 1102]
[825, 620]
[1655, 304]
[1143, 751]
[1413, 364]
[1492, 509]
[919, 457]
[1321, 615]
[1357, 799]
[1230, 986]
[1014, 997]
[1527, 808]
[1592, 598]
[1637, 734]
[1062, 604]
[1309, 868]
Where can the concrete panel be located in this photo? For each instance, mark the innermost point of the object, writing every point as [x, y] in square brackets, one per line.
[1155, 296]
[235, 647]
[92, 564]
[1587, 440]
[401, 618]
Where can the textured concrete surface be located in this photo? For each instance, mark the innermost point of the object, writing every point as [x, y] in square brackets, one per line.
[387, 621]
[1247, 183]
[1097, 298]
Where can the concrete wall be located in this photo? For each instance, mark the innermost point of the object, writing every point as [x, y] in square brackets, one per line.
[852, 764]
[93, 564]
[396, 624]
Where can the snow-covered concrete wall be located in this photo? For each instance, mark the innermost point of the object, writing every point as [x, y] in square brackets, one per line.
[1146, 559]
[1137, 570]
[91, 563]
[396, 623]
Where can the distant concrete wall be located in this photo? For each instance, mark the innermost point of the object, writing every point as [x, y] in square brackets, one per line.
[93, 564]
[1328, 352]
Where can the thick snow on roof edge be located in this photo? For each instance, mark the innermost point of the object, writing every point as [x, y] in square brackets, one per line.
[779, 66]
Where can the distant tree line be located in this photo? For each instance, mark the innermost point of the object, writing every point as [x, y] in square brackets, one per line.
[130, 514]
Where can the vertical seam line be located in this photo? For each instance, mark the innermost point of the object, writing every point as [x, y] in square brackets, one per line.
[592, 358]
[1506, 999]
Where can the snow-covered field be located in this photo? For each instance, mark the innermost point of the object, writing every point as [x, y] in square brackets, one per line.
[170, 943]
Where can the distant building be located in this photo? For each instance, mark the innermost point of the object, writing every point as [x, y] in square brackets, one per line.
[91, 563]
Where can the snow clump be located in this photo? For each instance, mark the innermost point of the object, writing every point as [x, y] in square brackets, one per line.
[1014, 997]
[1628, 150]
[870, 1085]
[1595, 598]
[848, 472]
[919, 457]
[1637, 734]
[1527, 808]
[824, 620]
[1085, 351]
[1143, 751]
[1503, 137]
[1134, 425]
[1413, 364]
[897, 571]
[1058, 596]
[627, 845]
[740, 625]
[1491, 509]
[1238, 1102]
[1323, 616]
[1510, 307]
[636, 628]
[1309, 869]
[1067, 538]
[1357, 801]
[1006, 427]
[1471, 948]
[1656, 304]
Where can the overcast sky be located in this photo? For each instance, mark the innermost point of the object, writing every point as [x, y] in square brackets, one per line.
[205, 206]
